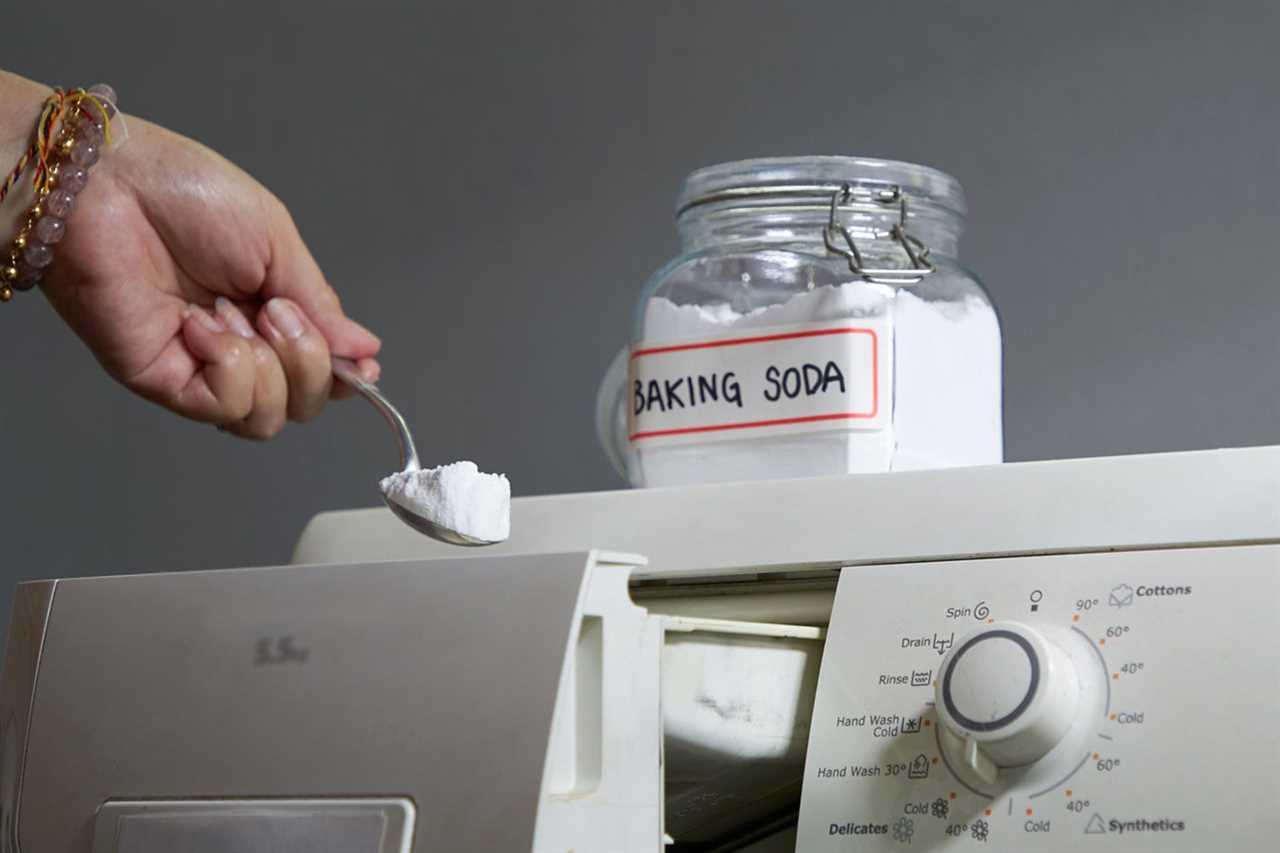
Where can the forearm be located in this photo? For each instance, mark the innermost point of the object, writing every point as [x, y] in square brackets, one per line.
[20, 102]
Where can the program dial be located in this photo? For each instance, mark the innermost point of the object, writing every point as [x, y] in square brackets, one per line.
[1006, 695]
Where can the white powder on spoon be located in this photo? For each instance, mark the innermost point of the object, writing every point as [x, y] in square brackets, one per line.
[458, 497]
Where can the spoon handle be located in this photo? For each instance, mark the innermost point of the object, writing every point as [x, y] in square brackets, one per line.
[346, 370]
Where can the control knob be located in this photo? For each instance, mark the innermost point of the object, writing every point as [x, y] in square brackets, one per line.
[1005, 696]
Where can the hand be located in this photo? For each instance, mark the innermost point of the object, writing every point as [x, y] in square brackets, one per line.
[189, 282]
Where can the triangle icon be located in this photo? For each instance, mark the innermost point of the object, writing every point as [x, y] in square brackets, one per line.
[1095, 825]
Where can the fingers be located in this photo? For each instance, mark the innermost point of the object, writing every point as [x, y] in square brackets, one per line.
[221, 390]
[303, 353]
[294, 275]
[270, 388]
[250, 380]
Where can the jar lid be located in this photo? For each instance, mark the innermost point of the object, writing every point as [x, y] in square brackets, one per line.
[818, 176]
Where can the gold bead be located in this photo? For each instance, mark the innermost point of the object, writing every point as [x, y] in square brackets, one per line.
[67, 144]
[37, 211]
[20, 242]
[10, 273]
[6, 293]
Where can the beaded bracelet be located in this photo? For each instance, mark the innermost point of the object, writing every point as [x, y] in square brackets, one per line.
[62, 165]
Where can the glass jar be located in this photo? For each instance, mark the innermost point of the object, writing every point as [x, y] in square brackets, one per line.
[817, 321]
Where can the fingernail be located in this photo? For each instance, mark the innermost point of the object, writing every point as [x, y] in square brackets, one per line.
[231, 315]
[285, 318]
[204, 318]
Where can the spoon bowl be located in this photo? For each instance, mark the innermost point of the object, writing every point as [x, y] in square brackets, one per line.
[430, 528]
[346, 370]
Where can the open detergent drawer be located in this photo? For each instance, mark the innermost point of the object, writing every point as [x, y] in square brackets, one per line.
[737, 701]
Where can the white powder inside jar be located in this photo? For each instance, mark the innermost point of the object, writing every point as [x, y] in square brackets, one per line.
[458, 497]
[946, 390]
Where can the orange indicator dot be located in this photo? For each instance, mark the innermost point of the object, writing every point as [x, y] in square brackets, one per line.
[1068, 792]
[1113, 716]
[953, 795]
[1095, 756]
[935, 682]
[987, 812]
[1028, 812]
[991, 621]
[935, 759]
[927, 723]
[1102, 642]
[1075, 618]
[1115, 676]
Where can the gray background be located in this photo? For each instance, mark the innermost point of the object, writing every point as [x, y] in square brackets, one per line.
[490, 186]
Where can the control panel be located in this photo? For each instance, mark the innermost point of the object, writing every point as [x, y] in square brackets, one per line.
[1111, 701]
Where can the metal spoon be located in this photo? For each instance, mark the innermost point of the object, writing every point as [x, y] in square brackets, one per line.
[346, 370]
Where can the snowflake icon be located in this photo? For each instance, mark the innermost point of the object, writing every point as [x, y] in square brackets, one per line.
[940, 808]
[979, 830]
[903, 829]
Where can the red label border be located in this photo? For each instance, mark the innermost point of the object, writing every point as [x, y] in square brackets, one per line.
[813, 333]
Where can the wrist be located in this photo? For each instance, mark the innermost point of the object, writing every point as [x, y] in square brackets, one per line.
[20, 103]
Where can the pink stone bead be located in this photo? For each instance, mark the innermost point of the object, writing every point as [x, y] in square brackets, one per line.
[72, 178]
[37, 254]
[84, 153]
[106, 94]
[28, 277]
[58, 203]
[89, 131]
[49, 230]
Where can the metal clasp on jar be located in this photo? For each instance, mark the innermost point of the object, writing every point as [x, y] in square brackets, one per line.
[917, 252]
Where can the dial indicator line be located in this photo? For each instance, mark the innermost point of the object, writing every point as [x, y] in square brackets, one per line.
[1097, 651]
[1105, 737]
[1061, 781]
[937, 736]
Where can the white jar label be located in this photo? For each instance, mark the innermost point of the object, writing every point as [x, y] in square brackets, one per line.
[807, 378]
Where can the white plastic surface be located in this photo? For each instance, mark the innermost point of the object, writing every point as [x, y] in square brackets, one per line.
[1175, 751]
[1212, 496]
[603, 776]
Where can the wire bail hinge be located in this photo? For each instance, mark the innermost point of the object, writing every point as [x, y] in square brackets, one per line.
[917, 252]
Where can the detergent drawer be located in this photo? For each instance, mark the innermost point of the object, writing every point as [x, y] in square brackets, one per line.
[737, 701]
[255, 826]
